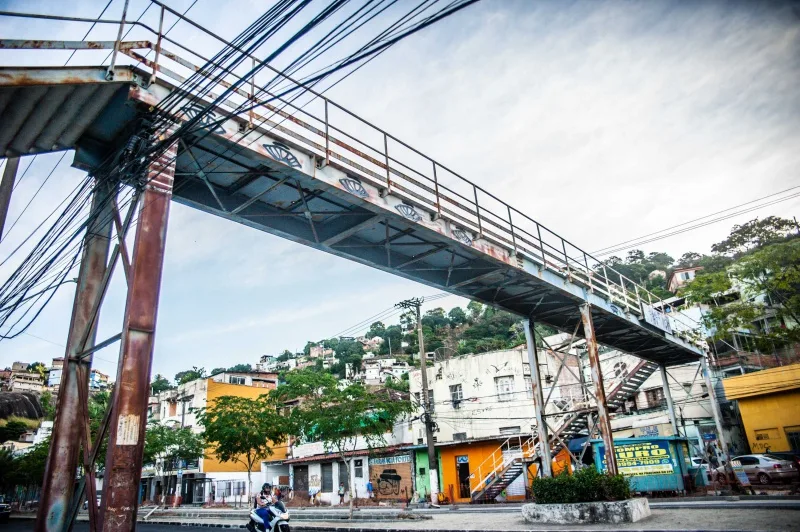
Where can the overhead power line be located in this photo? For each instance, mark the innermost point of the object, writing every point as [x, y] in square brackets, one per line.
[681, 228]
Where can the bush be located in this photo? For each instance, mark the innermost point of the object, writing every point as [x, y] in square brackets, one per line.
[586, 485]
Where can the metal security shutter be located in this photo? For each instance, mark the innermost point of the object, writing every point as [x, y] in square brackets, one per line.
[327, 478]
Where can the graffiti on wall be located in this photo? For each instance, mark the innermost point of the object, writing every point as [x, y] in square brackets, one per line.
[314, 482]
[281, 153]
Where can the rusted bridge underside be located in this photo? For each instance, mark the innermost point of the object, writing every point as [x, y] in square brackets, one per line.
[300, 182]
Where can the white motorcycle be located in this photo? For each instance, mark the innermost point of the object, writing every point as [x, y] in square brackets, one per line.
[278, 519]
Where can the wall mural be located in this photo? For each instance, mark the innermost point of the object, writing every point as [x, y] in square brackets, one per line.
[408, 212]
[353, 186]
[281, 153]
[208, 121]
[314, 482]
[389, 482]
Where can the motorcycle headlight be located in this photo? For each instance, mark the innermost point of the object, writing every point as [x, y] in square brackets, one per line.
[285, 516]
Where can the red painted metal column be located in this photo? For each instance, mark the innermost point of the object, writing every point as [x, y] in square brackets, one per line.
[599, 388]
[6, 186]
[127, 424]
[62, 459]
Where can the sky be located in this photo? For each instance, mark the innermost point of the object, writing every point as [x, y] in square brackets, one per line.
[604, 121]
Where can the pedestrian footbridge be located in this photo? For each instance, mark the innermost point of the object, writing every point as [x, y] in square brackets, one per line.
[321, 176]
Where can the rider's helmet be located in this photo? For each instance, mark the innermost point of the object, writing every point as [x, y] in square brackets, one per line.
[266, 487]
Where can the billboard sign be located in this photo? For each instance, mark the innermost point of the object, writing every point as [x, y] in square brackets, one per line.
[656, 318]
[640, 459]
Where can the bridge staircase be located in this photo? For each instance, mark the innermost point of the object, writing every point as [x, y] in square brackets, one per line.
[513, 456]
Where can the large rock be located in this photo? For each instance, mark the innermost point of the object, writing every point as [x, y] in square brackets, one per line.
[20, 404]
[628, 511]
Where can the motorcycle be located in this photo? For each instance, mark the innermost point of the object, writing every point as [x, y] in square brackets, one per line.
[278, 519]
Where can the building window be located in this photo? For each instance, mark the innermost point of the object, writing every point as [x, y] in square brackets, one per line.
[456, 395]
[507, 431]
[236, 380]
[359, 468]
[655, 397]
[529, 387]
[459, 436]
[505, 388]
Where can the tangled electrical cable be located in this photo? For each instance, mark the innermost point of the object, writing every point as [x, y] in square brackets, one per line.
[28, 290]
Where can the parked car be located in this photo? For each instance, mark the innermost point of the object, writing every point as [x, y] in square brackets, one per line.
[765, 468]
[787, 455]
[702, 463]
[5, 510]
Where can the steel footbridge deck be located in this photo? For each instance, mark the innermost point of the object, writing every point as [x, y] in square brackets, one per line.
[332, 181]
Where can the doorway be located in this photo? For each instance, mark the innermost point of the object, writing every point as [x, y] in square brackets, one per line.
[462, 469]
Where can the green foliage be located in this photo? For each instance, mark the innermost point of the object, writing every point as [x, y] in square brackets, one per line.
[585, 485]
[48, 405]
[161, 384]
[166, 446]
[755, 234]
[241, 368]
[400, 385]
[12, 430]
[773, 272]
[216, 371]
[98, 404]
[182, 377]
[240, 429]
[336, 415]
[637, 267]
[37, 367]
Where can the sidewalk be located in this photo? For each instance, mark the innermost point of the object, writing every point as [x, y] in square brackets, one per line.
[453, 521]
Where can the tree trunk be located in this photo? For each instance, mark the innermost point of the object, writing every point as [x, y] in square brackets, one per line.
[249, 486]
[349, 488]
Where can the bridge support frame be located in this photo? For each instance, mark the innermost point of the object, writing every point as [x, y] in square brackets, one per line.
[129, 414]
[68, 429]
[599, 389]
[668, 396]
[538, 401]
[6, 187]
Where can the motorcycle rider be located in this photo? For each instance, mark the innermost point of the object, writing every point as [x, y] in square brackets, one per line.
[262, 502]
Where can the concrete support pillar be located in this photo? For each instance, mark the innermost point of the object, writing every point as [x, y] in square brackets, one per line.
[599, 389]
[62, 459]
[6, 186]
[668, 395]
[538, 400]
[129, 417]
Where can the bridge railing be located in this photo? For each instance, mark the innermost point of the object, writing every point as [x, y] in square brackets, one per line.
[363, 150]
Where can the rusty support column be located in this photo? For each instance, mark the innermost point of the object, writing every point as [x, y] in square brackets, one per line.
[62, 459]
[712, 398]
[599, 388]
[6, 186]
[538, 400]
[129, 416]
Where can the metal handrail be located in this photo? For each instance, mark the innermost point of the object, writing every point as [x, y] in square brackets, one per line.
[461, 210]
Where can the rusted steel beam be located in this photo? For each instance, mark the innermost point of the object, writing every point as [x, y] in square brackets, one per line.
[62, 459]
[599, 389]
[21, 44]
[538, 400]
[129, 416]
[6, 186]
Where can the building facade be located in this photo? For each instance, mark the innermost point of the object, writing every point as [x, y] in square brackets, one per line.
[207, 479]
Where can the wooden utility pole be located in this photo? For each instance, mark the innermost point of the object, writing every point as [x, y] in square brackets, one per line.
[427, 405]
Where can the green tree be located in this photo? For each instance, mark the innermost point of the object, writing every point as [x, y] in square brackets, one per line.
[182, 377]
[755, 234]
[98, 404]
[48, 405]
[167, 447]
[217, 371]
[160, 384]
[767, 283]
[376, 329]
[340, 417]
[37, 367]
[457, 316]
[12, 430]
[243, 430]
[243, 368]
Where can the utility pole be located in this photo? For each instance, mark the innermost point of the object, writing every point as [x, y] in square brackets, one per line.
[433, 463]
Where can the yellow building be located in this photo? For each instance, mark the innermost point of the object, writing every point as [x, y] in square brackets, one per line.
[769, 403]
